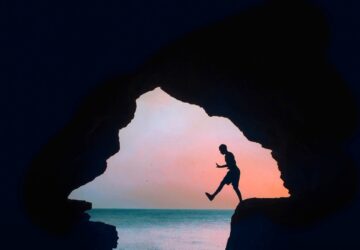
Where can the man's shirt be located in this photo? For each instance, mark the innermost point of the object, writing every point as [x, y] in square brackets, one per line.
[230, 160]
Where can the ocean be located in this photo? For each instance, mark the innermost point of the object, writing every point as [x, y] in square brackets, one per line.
[167, 229]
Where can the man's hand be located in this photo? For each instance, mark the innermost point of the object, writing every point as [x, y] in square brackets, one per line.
[221, 166]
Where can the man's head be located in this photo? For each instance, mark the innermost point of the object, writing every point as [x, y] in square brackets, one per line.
[223, 149]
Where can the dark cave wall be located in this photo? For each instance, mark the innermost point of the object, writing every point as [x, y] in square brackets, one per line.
[269, 76]
[272, 79]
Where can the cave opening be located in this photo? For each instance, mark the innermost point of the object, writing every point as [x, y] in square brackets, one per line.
[274, 83]
[166, 161]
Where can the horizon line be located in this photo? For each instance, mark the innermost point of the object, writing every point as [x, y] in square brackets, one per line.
[134, 208]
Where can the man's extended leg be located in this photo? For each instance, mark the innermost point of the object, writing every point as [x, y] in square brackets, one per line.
[237, 191]
[212, 196]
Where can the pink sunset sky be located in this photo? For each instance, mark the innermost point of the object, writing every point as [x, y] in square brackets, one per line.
[167, 160]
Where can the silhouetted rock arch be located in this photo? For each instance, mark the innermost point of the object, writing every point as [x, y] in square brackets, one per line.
[264, 69]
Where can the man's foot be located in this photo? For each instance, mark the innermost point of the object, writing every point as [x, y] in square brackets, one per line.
[210, 197]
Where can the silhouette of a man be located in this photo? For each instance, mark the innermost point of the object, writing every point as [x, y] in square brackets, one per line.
[232, 176]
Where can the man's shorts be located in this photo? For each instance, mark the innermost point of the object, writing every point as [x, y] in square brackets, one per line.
[232, 177]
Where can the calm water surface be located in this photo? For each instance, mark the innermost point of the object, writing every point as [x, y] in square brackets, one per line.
[167, 229]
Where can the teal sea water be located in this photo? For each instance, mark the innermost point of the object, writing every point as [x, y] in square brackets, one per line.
[167, 229]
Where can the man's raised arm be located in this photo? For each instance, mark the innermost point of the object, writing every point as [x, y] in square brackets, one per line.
[221, 166]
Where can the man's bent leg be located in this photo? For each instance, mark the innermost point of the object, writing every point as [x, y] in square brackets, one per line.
[218, 189]
[212, 196]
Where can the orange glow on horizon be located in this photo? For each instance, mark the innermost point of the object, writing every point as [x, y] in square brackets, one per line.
[167, 160]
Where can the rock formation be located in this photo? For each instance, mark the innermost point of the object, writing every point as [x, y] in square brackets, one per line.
[265, 69]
